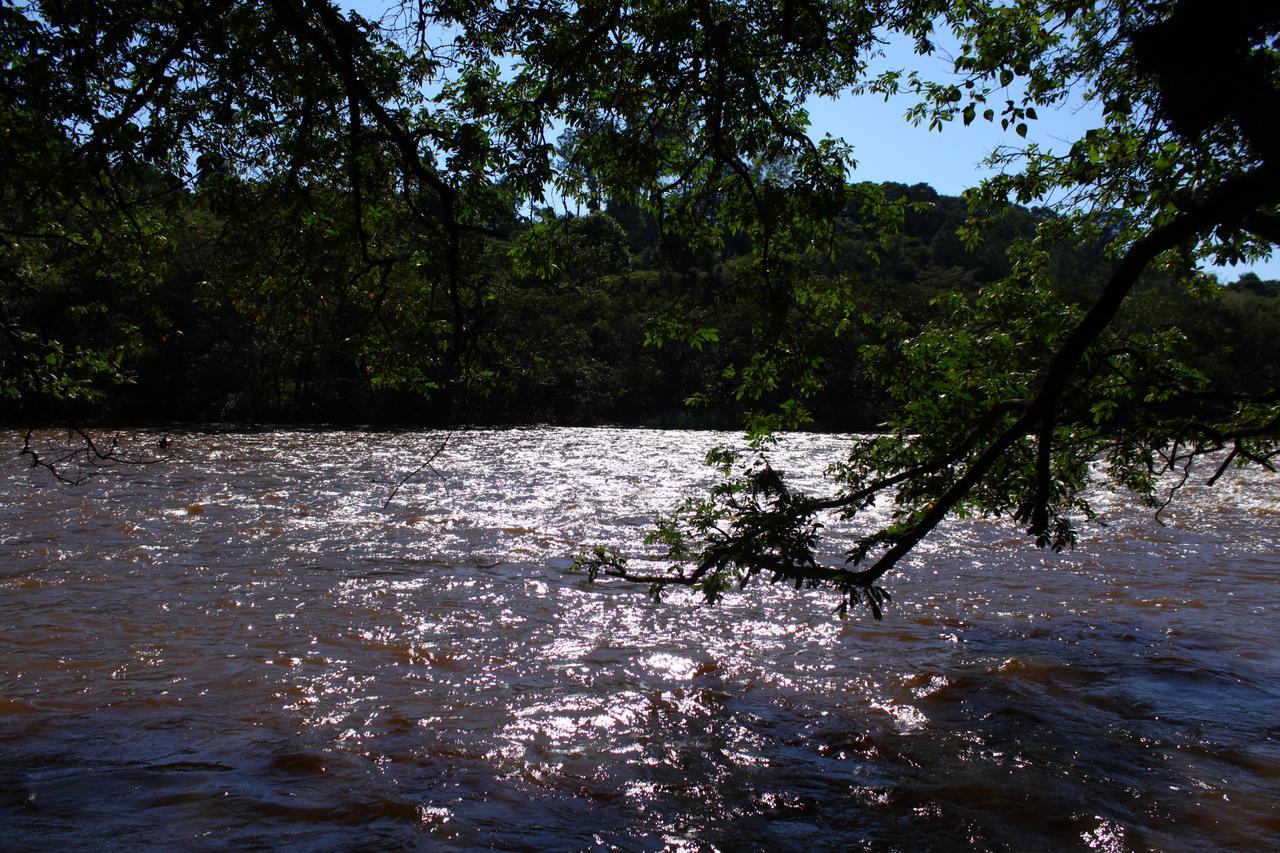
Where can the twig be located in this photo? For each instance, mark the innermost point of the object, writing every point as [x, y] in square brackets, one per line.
[426, 464]
[88, 454]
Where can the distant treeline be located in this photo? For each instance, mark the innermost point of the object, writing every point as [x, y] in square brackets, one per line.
[274, 317]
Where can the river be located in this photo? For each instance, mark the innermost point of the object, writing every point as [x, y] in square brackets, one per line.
[242, 647]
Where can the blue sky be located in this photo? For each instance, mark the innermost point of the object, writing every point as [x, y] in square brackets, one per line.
[889, 148]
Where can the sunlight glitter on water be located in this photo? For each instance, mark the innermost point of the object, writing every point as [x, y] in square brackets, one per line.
[430, 674]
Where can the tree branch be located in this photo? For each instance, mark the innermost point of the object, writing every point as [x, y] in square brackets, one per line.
[1230, 202]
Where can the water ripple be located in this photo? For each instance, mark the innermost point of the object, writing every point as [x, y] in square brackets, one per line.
[245, 647]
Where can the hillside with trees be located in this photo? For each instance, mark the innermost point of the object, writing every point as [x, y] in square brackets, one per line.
[608, 324]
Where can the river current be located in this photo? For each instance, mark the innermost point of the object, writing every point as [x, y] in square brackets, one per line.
[243, 647]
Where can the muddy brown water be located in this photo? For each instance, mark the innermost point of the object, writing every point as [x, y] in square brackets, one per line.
[243, 648]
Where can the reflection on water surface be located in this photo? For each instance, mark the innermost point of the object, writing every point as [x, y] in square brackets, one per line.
[243, 647]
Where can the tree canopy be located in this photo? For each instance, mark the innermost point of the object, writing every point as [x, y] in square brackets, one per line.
[379, 186]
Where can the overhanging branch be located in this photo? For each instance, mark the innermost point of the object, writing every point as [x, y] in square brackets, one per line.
[1230, 202]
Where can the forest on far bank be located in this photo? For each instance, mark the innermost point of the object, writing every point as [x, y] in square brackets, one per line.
[269, 315]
